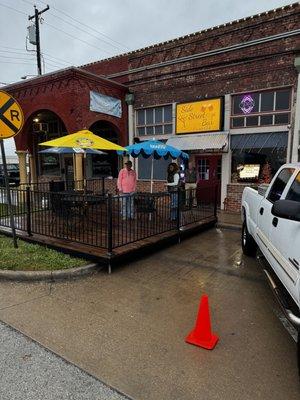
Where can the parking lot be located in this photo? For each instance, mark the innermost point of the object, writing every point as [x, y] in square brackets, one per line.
[128, 329]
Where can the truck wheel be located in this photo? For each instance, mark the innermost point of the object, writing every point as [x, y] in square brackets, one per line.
[248, 243]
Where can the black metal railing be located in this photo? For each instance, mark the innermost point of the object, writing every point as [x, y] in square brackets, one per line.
[95, 185]
[105, 220]
[19, 207]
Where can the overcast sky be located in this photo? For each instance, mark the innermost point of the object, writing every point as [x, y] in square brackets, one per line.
[76, 32]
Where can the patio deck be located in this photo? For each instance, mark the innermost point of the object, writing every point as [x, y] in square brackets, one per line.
[93, 226]
[119, 254]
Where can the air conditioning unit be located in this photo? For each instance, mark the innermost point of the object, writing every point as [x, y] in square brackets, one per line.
[40, 127]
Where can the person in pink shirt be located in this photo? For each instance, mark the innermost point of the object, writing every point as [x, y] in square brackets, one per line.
[126, 187]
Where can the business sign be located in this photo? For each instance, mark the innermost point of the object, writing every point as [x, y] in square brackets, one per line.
[11, 116]
[248, 171]
[247, 103]
[199, 116]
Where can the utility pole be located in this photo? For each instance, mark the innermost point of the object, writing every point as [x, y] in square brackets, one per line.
[36, 15]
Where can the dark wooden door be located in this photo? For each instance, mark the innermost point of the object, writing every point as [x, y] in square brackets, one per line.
[208, 176]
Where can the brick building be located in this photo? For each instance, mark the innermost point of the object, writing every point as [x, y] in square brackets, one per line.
[229, 95]
[57, 103]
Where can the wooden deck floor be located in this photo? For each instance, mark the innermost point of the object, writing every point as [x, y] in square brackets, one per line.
[120, 253]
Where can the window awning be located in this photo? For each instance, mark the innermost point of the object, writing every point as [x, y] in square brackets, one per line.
[255, 142]
[202, 141]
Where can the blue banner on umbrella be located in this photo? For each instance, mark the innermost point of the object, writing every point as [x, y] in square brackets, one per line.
[154, 148]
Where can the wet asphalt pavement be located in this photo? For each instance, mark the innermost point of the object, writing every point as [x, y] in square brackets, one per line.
[128, 329]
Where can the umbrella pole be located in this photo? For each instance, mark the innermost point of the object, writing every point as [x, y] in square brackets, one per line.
[151, 185]
[84, 176]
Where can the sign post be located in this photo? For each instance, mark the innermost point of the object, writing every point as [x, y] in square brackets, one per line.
[8, 196]
[11, 122]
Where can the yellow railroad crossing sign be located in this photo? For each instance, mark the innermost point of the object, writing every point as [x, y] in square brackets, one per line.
[11, 116]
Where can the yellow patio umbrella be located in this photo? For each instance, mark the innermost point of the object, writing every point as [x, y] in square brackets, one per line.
[84, 139]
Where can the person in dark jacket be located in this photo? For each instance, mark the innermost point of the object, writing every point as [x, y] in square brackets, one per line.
[172, 185]
[191, 185]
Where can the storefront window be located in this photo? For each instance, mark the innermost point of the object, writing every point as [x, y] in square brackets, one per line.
[203, 169]
[47, 126]
[159, 168]
[50, 164]
[257, 157]
[270, 107]
[154, 121]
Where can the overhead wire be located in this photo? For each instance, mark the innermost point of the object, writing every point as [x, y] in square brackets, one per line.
[15, 62]
[20, 51]
[58, 29]
[78, 28]
[76, 38]
[12, 8]
[82, 23]
[15, 58]
[54, 27]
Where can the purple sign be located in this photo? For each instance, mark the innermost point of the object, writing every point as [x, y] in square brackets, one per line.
[247, 104]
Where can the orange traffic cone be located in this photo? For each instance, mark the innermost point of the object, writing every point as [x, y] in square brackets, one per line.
[201, 335]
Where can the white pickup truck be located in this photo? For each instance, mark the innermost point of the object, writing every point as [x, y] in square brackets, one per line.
[271, 221]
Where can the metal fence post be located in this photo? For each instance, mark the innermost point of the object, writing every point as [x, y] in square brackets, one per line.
[28, 211]
[216, 200]
[103, 186]
[178, 214]
[109, 231]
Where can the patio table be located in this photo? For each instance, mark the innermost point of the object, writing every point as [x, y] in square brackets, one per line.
[69, 205]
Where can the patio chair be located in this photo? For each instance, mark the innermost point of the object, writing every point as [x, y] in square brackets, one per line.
[144, 203]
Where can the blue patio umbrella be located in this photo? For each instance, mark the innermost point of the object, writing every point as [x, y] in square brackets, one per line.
[156, 149]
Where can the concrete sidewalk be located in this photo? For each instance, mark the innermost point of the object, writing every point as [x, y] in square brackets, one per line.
[128, 329]
[29, 372]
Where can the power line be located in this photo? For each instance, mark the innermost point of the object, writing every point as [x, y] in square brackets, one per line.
[15, 62]
[76, 38]
[13, 9]
[47, 60]
[15, 58]
[56, 61]
[24, 52]
[83, 30]
[60, 30]
[79, 28]
[12, 48]
[87, 26]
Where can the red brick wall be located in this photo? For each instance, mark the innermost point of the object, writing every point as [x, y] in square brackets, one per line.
[216, 75]
[142, 186]
[67, 95]
[109, 66]
[228, 72]
[234, 196]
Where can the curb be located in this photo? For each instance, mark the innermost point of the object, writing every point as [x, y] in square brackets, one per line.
[231, 227]
[48, 275]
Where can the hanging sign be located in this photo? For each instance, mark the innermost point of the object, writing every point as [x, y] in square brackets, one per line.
[11, 116]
